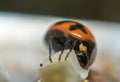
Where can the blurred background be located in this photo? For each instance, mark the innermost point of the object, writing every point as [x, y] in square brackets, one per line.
[24, 23]
[107, 10]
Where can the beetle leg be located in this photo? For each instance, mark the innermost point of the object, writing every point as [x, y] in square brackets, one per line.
[63, 49]
[72, 46]
[50, 48]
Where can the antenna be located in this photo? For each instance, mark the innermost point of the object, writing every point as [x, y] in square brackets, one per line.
[50, 48]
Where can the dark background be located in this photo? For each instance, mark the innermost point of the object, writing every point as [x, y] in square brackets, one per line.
[107, 10]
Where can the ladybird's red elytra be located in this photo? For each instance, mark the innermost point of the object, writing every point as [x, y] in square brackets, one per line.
[85, 47]
[74, 30]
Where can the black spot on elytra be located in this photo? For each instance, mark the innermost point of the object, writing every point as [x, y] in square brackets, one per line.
[75, 27]
[78, 26]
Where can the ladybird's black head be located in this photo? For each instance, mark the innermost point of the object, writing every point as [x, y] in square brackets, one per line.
[86, 52]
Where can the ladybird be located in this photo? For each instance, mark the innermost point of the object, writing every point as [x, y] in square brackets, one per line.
[73, 36]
